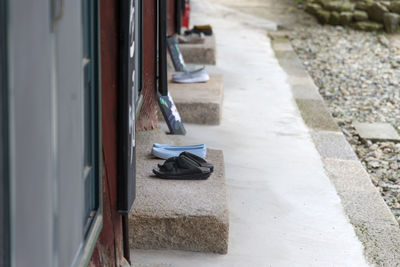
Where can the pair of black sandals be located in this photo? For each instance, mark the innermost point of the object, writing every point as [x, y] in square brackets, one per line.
[205, 29]
[186, 166]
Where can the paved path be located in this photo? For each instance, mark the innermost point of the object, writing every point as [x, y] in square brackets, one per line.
[284, 211]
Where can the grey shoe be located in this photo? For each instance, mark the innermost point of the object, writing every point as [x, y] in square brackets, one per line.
[193, 38]
[195, 76]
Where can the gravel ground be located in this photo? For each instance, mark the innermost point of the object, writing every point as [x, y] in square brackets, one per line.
[358, 75]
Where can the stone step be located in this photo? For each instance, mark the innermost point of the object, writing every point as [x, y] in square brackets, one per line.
[204, 53]
[179, 215]
[199, 103]
[377, 131]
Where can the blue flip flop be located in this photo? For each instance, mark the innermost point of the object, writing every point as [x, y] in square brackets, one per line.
[179, 147]
[168, 152]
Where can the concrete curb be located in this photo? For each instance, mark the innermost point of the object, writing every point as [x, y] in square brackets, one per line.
[372, 219]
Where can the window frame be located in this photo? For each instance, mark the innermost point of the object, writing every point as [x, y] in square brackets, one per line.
[93, 231]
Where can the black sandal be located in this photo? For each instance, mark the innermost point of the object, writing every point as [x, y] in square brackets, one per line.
[182, 168]
[206, 29]
[200, 161]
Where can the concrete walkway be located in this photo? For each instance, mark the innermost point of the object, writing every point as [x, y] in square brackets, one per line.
[284, 211]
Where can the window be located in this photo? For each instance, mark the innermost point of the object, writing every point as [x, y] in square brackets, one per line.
[54, 141]
[91, 127]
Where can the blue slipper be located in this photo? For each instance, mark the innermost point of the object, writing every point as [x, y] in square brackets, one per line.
[166, 153]
[179, 147]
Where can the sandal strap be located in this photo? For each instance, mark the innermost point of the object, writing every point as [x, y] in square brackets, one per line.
[169, 166]
[180, 164]
[186, 162]
[200, 161]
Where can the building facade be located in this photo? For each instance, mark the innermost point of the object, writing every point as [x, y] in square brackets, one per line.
[62, 129]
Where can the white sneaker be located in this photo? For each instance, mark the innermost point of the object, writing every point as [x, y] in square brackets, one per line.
[195, 76]
[193, 38]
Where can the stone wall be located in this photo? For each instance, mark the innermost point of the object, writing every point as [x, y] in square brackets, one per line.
[367, 15]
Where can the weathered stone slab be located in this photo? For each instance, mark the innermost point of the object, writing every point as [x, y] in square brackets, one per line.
[180, 215]
[279, 36]
[376, 12]
[300, 80]
[395, 6]
[312, 8]
[368, 26]
[290, 62]
[279, 45]
[205, 53]
[346, 18]
[339, 6]
[335, 18]
[315, 115]
[360, 15]
[374, 223]
[377, 131]
[323, 16]
[391, 22]
[199, 103]
[305, 91]
[333, 145]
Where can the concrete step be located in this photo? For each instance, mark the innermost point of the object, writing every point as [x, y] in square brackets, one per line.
[199, 103]
[179, 215]
[204, 53]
